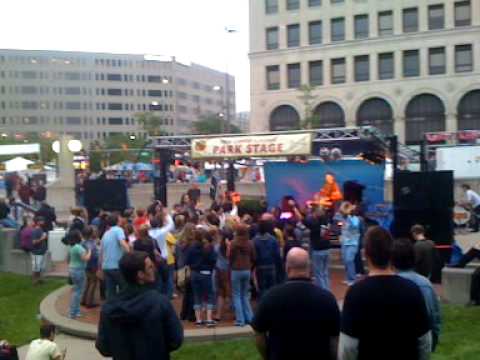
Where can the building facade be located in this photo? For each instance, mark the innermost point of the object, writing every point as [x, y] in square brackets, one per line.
[94, 95]
[242, 120]
[405, 66]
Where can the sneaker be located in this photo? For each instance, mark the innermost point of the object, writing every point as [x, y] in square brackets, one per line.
[199, 323]
[211, 324]
[239, 324]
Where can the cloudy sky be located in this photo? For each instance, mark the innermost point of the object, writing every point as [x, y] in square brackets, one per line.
[192, 30]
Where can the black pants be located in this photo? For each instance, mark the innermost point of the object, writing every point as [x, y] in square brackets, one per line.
[476, 219]
[475, 287]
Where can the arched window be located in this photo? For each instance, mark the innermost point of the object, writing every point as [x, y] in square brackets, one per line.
[425, 113]
[378, 113]
[283, 118]
[469, 111]
[328, 115]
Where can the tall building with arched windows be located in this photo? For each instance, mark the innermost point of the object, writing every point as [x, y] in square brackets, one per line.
[405, 66]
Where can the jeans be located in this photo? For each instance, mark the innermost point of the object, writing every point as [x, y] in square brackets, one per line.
[78, 280]
[114, 283]
[202, 286]
[241, 296]
[348, 253]
[8, 223]
[170, 282]
[320, 268]
[266, 276]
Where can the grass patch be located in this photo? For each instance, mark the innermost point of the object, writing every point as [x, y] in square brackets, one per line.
[19, 306]
[460, 340]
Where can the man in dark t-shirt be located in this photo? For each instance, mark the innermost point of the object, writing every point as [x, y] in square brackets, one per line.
[384, 316]
[425, 251]
[297, 320]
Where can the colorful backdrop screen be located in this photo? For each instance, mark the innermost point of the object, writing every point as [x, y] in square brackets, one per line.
[302, 181]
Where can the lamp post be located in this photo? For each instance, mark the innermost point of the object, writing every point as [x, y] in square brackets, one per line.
[226, 91]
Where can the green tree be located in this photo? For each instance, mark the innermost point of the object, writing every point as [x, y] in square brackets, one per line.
[151, 123]
[213, 124]
[308, 99]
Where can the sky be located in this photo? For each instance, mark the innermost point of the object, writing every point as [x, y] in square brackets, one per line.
[192, 30]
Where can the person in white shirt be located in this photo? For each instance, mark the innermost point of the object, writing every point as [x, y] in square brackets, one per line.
[473, 202]
[45, 348]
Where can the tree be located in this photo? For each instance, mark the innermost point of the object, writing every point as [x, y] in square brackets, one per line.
[151, 123]
[308, 100]
[213, 124]
[46, 152]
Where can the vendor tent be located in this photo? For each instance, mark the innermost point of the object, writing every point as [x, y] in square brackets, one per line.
[130, 166]
[17, 164]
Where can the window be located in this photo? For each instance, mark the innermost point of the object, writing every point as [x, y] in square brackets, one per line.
[336, 1]
[411, 63]
[463, 58]
[28, 90]
[294, 76]
[73, 105]
[338, 29]
[115, 121]
[154, 79]
[436, 17]
[361, 26]
[410, 20]
[73, 121]
[272, 38]
[114, 77]
[315, 32]
[313, 3]
[114, 106]
[29, 105]
[386, 66]
[338, 71]
[436, 61]
[315, 73]
[72, 76]
[271, 6]
[293, 4]
[72, 91]
[155, 93]
[29, 75]
[273, 77]
[362, 68]
[462, 13]
[114, 92]
[385, 23]
[293, 35]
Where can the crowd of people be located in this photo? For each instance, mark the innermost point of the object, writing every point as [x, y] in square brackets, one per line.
[270, 266]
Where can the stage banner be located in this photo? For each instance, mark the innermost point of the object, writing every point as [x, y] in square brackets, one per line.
[304, 181]
[252, 146]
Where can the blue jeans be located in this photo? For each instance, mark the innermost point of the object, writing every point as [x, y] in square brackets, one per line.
[202, 285]
[114, 283]
[266, 276]
[320, 268]
[241, 296]
[78, 279]
[170, 282]
[8, 223]
[348, 254]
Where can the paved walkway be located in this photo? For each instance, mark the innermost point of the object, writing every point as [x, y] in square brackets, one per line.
[77, 348]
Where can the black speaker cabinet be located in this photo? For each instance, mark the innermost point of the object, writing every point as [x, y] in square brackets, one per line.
[106, 194]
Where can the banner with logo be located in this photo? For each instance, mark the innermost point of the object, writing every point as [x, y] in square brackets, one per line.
[252, 146]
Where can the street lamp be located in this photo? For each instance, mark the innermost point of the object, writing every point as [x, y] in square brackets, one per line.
[217, 88]
[132, 137]
[165, 81]
[73, 145]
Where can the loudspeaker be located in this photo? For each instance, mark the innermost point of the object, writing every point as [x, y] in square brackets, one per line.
[353, 192]
[106, 194]
[424, 190]
[438, 224]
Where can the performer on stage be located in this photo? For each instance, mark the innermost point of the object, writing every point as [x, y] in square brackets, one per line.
[330, 194]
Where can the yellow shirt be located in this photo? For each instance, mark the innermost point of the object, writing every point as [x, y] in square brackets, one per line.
[171, 241]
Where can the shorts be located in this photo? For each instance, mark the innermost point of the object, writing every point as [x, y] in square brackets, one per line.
[38, 263]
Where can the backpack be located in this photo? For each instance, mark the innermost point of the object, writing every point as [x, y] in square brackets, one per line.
[26, 242]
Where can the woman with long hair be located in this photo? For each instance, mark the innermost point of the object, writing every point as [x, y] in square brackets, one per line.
[201, 259]
[242, 259]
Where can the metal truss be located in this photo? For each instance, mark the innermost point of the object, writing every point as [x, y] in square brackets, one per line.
[183, 142]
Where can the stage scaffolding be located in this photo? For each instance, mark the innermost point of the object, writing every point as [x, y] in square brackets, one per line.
[387, 146]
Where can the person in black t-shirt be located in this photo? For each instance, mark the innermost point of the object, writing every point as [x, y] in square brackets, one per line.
[320, 247]
[297, 320]
[384, 316]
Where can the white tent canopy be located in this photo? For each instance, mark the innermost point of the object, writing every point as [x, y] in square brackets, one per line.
[20, 149]
[17, 164]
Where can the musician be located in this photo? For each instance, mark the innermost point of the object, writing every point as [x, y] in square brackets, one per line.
[330, 194]
[473, 203]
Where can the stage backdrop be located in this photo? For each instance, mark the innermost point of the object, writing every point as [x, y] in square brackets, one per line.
[302, 181]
